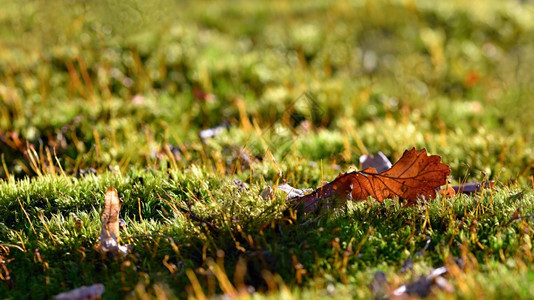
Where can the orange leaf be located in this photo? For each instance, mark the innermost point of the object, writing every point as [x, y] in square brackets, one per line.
[415, 175]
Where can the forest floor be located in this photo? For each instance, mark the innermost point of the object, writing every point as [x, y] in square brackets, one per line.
[196, 113]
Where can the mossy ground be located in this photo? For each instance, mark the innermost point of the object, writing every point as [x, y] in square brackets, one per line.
[104, 94]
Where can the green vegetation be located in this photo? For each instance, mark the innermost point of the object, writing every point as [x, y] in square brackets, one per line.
[96, 94]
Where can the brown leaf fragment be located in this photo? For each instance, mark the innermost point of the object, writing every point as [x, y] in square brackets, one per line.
[94, 291]
[415, 175]
[447, 192]
[109, 236]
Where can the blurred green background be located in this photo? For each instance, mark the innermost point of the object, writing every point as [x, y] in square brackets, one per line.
[100, 84]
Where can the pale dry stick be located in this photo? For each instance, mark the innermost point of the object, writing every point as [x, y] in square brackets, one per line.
[109, 236]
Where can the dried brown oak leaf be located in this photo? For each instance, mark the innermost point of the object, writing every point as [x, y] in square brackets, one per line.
[415, 175]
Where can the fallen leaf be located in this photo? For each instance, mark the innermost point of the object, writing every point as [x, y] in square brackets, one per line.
[448, 192]
[380, 286]
[212, 132]
[378, 162]
[109, 236]
[444, 284]
[407, 265]
[293, 192]
[82, 172]
[421, 288]
[94, 291]
[473, 187]
[423, 285]
[414, 176]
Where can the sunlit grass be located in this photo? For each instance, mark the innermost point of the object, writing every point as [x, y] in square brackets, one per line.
[105, 94]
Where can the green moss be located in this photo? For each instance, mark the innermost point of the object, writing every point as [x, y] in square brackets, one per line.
[102, 95]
